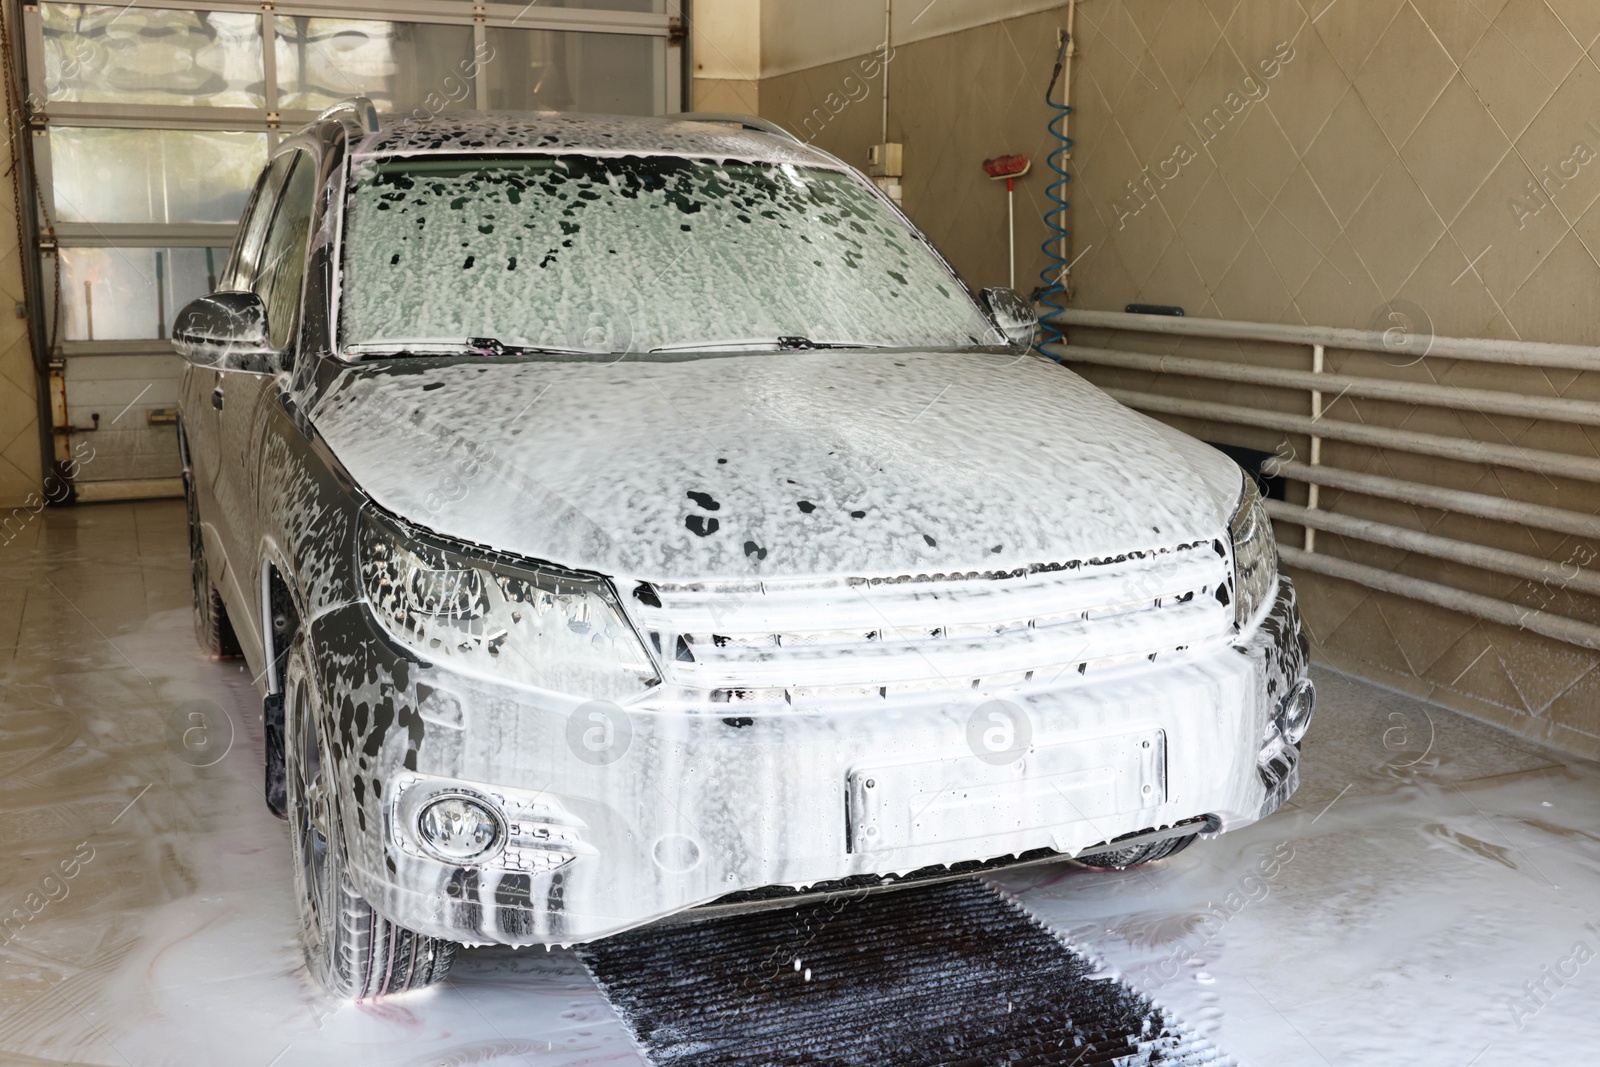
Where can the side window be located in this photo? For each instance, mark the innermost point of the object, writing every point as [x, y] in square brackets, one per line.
[247, 249]
[283, 255]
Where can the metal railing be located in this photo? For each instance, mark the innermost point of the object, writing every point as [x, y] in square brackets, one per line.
[1317, 427]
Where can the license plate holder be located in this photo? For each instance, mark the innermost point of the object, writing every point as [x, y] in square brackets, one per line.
[961, 797]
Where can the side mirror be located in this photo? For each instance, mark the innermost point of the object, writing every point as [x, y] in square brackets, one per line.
[1015, 316]
[227, 331]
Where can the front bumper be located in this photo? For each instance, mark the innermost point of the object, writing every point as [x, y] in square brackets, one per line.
[672, 810]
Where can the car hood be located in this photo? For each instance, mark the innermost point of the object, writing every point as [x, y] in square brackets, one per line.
[773, 465]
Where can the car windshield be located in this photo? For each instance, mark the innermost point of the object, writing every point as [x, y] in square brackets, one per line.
[582, 254]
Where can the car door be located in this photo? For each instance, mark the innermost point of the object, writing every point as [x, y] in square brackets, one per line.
[241, 396]
[202, 428]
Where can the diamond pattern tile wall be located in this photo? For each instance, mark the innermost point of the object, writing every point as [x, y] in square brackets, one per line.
[1404, 120]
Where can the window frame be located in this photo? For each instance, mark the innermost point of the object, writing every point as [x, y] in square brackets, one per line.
[239, 274]
[301, 160]
[277, 124]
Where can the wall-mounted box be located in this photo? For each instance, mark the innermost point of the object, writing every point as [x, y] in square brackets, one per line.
[885, 160]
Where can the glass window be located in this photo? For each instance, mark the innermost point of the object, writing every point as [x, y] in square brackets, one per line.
[254, 233]
[398, 64]
[553, 70]
[134, 55]
[110, 175]
[123, 294]
[588, 254]
[283, 259]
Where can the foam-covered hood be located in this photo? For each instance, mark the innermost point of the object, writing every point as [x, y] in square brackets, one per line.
[773, 465]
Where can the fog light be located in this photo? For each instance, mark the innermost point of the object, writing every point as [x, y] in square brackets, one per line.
[1294, 715]
[459, 829]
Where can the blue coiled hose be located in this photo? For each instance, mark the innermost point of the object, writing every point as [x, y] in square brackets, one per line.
[1051, 331]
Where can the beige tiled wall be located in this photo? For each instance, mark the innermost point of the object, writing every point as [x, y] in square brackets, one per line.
[1346, 154]
[727, 95]
[725, 44]
[955, 100]
[1432, 164]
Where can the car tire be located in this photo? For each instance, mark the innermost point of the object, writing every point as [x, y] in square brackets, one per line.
[211, 626]
[352, 951]
[1121, 859]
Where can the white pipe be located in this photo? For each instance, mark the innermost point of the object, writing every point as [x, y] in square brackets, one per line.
[1315, 427]
[1313, 493]
[1576, 523]
[1011, 228]
[1521, 353]
[888, 8]
[1507, 614]
[1463, 552]
[1483, 401]
[1542, 461]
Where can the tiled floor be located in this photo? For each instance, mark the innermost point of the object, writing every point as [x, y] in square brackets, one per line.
[1429, 867]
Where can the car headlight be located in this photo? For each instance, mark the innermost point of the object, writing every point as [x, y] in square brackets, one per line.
[509, 620]
[1255, 554]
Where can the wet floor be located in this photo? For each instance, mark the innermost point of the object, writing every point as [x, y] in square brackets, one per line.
[1431, 873]
[1431, 897]
[945, 974]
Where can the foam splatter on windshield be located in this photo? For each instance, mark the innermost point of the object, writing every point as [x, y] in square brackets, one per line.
[480, 133]
[635, 253]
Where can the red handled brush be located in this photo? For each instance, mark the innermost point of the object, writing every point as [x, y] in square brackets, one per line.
[1010, 168]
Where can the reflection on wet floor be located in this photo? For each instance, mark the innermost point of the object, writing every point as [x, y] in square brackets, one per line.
[1421, 900]
[1431, 872]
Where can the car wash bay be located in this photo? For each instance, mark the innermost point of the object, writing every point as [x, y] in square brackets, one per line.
[1380, 220]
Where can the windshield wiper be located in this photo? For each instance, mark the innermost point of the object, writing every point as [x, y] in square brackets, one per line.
[782, 344]
[472, 346]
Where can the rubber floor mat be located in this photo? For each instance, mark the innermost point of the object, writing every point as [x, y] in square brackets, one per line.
[949, 974]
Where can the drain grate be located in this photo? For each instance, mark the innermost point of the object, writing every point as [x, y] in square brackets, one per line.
[948, 974]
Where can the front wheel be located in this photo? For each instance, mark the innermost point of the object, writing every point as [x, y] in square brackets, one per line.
[351, 950]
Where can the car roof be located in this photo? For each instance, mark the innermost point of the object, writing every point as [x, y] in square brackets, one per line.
[476, 132]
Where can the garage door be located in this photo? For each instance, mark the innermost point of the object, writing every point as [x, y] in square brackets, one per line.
[151, 121]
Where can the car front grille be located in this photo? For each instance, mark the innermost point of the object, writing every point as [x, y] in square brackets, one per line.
[793, 639]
